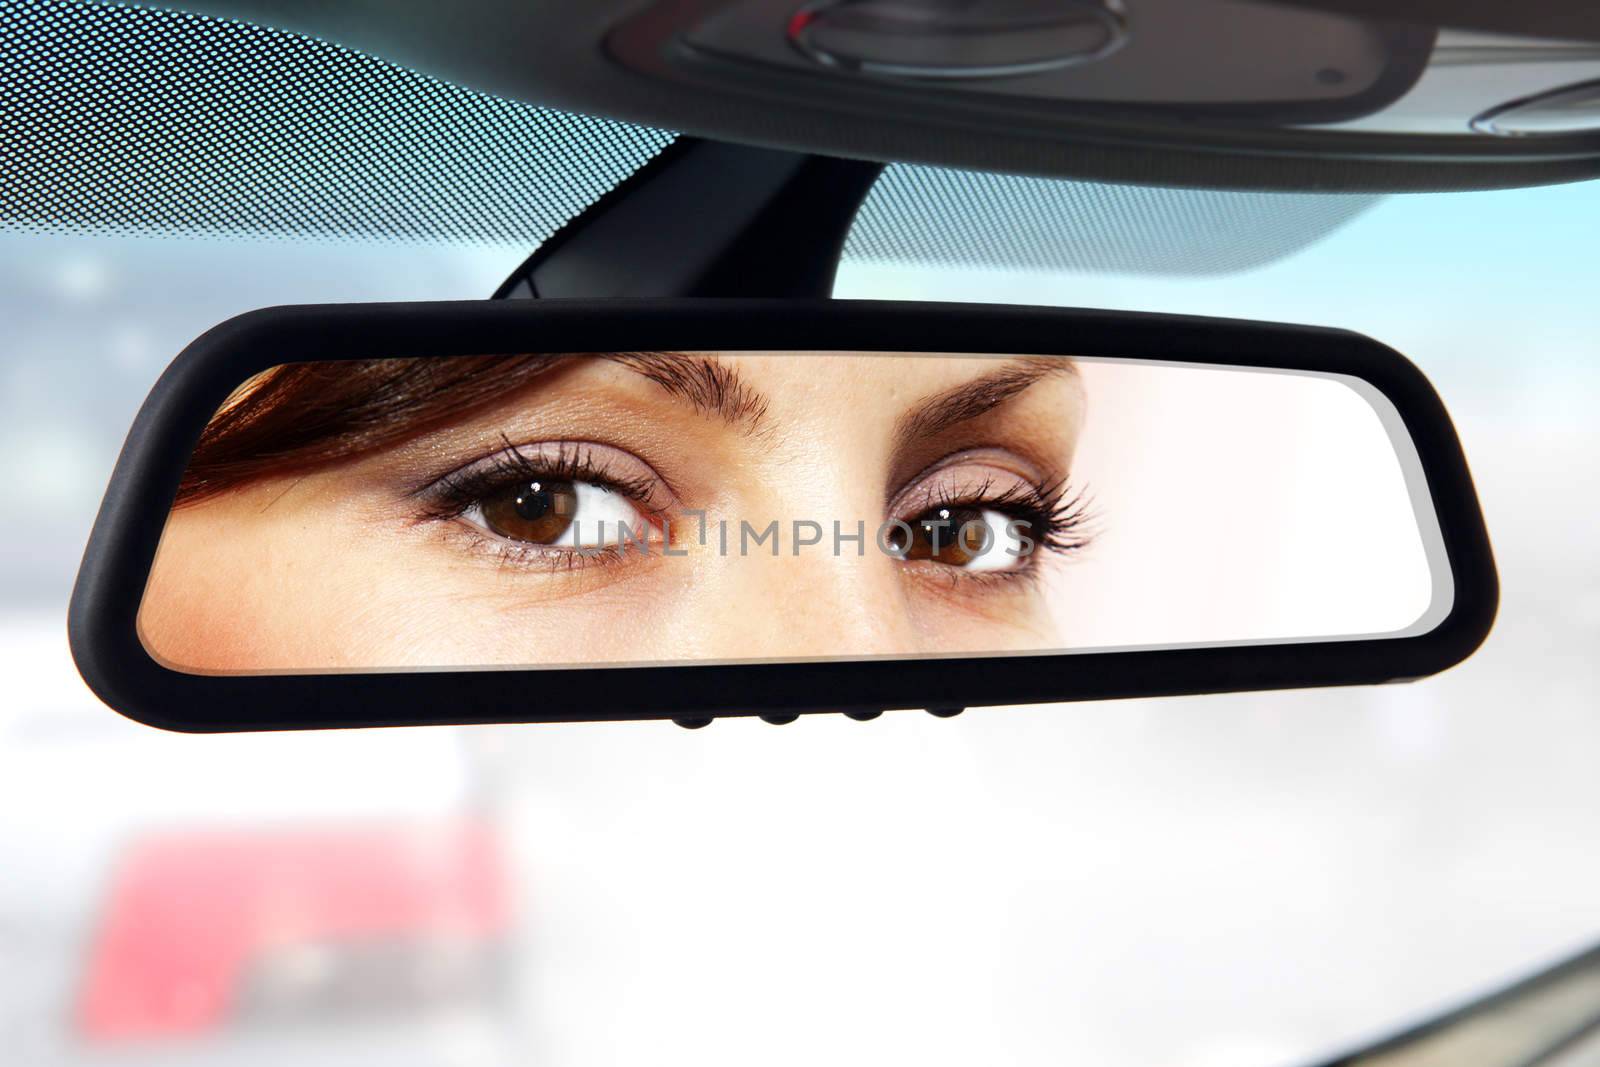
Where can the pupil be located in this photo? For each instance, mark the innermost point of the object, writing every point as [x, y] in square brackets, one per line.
[942, 535]
[937, 526]
[538, 512]
[534, 502]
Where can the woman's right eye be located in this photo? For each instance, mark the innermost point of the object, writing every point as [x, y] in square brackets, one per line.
[970, 537]
[558, 513]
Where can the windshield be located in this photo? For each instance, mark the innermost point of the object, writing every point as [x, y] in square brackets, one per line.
[1246, 879]
[1240, 879]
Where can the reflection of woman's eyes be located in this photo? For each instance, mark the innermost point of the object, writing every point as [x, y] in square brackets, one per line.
[563, 503]
[990, 531]
[976, 539]
[547, 511]
[557, 498]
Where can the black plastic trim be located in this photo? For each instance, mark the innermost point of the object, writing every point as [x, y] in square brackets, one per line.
[122, 546]
[705, 218]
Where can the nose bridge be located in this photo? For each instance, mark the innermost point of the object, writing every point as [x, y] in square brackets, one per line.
[783, 596]
[836, 597]
[801, 574]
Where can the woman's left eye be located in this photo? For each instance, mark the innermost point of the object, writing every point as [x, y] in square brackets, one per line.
[971, 537]
[558, 513]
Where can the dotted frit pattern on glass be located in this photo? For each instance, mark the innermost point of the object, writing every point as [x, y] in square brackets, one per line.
[121, 119]
[926, 214]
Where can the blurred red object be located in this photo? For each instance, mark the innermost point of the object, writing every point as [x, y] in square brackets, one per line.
[192, 915]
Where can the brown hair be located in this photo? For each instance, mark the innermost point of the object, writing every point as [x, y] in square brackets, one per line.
[300, 415]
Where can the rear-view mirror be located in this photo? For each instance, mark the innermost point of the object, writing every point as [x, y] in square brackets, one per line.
[595, 510]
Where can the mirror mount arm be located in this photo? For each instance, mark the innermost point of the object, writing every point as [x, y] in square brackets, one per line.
[708, 219]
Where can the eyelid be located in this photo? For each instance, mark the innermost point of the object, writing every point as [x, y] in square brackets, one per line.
[519, 554]
[591, 461]
[973, 474]
[582, 524]
[455, 495]
[1061, 516]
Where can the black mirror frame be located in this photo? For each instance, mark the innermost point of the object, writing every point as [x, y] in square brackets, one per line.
[128, 529]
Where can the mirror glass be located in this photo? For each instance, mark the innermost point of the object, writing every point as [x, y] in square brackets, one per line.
[667, 507]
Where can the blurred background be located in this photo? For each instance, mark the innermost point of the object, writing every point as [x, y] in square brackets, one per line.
[1235, 880]
[1224, 880]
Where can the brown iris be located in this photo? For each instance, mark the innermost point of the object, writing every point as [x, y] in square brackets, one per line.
[537, 511]
[944, 535]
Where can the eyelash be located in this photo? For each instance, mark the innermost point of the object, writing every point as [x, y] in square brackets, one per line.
[454, 494]
[1062, 512]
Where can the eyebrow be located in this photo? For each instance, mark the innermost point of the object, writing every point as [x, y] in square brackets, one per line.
[708, 385]
[969, 400]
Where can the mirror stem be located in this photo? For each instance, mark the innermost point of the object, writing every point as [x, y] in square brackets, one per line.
[705, 218]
